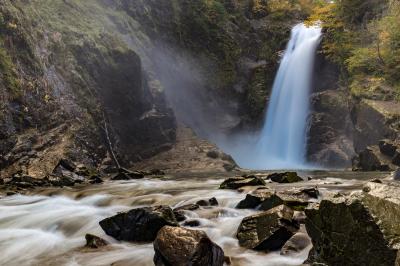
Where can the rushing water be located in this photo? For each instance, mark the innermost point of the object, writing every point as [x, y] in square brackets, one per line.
[282, 142]
[48, 226]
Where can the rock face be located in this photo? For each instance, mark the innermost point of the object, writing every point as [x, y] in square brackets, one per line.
[330, 137]
[181, 247]
[359, 229]
[139, 225]
[385, 157]
[267, 230]
[238, 182]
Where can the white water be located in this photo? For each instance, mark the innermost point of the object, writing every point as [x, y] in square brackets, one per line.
[49, 228]
[282, 141]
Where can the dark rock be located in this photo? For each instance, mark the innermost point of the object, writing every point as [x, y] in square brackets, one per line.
[387, 147]
[238, 182]
[396, 158]
[312, 192]
[266, 197]
[371, 160]
[95, 180]
[140, 225]
[296, 244]
[213, 154]
[125, 174]
[362, 228]
[288, 177]
[64, 164]
[61, 181]
[267, 230]
[93, 241]
[210, 202]
[192, 223]
[179, 212]
[181, 247]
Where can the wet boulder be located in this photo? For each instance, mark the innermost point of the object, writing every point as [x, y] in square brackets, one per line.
[267, 230]
[181, 247]
[396, 175]
[296, 244]
[287, 177]
[125, 174]
[238, 182]
[93, 241]
[139, 225]
[361, 229]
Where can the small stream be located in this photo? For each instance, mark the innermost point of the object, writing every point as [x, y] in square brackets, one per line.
[48, 226]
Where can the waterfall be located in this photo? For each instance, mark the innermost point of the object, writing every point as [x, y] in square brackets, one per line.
[282, 142]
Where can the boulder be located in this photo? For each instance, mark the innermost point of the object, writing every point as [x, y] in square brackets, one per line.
[265, 199]
[238, 182]
[297, 243]
[139, 225]
[125, 174]
[93, 241]
[287, 177]
[361, 229]
[371, 159]
[181, 247]
[267, 230]
[387, 147]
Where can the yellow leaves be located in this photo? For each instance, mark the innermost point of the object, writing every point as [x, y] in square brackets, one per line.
[12, 26]
[47, 98]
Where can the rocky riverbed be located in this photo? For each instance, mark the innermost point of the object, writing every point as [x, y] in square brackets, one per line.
[48, 225]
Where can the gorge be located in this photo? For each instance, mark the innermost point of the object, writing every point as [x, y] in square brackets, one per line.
[199, 132]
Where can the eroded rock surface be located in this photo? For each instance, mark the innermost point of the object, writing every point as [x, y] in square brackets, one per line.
[267, 230]
[361, 229]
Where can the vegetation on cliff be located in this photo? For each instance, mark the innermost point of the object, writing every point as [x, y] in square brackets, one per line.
[363, 37]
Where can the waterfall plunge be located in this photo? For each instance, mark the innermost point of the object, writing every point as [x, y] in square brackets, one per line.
[282, 142]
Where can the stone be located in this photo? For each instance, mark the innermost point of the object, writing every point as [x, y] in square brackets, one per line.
[210, 202]
[125, 174]
[265, 199]
[267, 230]
[213, 154]
[139, 225]
[387, 147]
[238, 182]
[181, 247]
[287, 177]
[93, 241]
[192, 223]
[360, 229]
[371, 159]
[296, 244]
